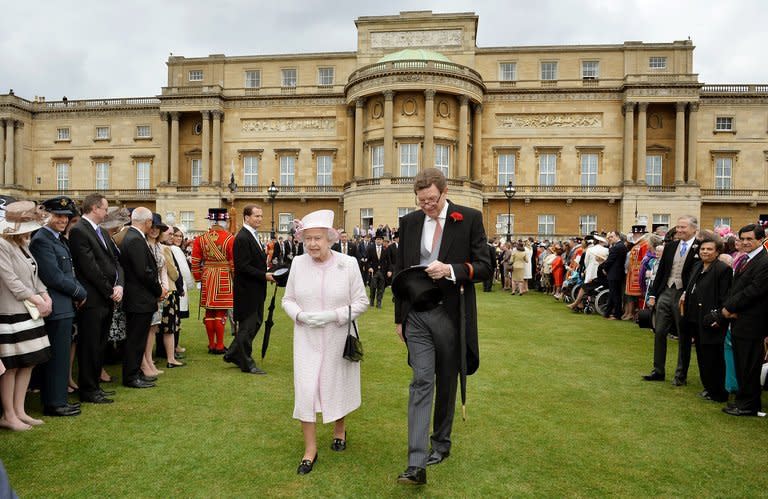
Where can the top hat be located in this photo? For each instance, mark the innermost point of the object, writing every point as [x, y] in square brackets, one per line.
[645, 318]
[639, 229]
[61, 205]
[416, 287]
[281, 276]
[218, 214]
[157, 221]
[21, 217]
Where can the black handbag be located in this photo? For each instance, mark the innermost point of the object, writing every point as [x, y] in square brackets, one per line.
[353, 348]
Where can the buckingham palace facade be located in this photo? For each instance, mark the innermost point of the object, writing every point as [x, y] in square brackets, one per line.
[591, 137]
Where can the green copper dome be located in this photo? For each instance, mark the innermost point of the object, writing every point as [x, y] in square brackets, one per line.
[414, 55]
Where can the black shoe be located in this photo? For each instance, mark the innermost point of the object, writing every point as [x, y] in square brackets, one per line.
[679, 381]
[229, 359]
[61, 411]
[148, 379]
[171, 366]
[436, 457]
[654, 376]
[96, 398]
[74, 405]
[211, 351]
[705, 395]
[139, 383]
[305, 466]
[254, 370]
[219, 351]
[413, 475]
[107, 393]
[735, 411]
[339, 444]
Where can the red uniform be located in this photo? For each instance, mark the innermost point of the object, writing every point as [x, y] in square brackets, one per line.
[212, 265]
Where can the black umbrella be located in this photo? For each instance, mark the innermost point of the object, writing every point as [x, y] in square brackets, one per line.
[463, 351]
[281, 278]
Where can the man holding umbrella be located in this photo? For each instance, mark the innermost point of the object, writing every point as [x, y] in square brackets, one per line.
[250, 290]
[450, 242]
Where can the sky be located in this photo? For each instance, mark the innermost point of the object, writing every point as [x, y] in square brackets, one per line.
[98, 49]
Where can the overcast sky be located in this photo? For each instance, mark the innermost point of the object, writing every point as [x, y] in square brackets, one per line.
[93, 49]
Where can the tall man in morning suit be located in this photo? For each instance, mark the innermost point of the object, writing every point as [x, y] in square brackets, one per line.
[97, 268]
[668, 285]
[55, 268]
[450, 240]
[250, 280]
[747, 309]
[378, 266]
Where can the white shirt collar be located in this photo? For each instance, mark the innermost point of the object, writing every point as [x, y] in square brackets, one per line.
[443, 214]
[754, 253]
[93, 224]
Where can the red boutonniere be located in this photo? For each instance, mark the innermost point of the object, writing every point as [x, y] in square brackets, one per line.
[456, 216]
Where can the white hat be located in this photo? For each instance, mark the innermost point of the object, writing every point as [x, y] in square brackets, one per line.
[601, 239]
[320, 219]
[22, 217]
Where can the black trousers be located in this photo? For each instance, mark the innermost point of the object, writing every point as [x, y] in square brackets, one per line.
[92, 331]
[748, 357]
[378, 285]
[56, 370]
[711, 360]
[136, 331]
[241, 349]
[614, 298]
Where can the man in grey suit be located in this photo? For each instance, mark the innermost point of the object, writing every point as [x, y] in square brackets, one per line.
[450, 241]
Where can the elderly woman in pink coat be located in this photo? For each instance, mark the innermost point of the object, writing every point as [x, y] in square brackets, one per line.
[323, 288]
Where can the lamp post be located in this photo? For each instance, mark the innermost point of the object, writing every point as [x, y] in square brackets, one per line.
[232, 190]
[509, 191]
[272, 191]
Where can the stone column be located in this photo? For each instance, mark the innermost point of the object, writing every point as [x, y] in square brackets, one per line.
[680, 143]
[629, 139]
[2, 152]
[461, 163]
[9, 150]
[389, 140]
[359, 138]
[218, 116]
[18, 166]
[350, 143]
[477, 143]
[693, 112]
[642, 125]
[429, 128]
[174, 176]
[161, 169]
[205, 163]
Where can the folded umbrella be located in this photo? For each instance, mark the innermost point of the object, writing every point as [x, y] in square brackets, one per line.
[463, 350]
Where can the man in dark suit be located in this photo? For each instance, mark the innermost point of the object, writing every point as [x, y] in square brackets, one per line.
[378, 266]
[362, 257]
[747, 309]
[54, 265]
[98, 269]
[392, 250]
[289, 250]
[613, 270]
[450, 240]
[343, 245]
[142, 294]
[250, 290]
[668, 285]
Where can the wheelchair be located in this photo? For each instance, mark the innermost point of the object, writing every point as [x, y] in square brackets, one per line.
[596, 301]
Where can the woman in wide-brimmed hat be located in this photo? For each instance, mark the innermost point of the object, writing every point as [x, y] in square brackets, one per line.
[24, 301]
[324, 290]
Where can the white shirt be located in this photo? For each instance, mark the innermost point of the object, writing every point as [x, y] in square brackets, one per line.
[428, 233]
[254, 234]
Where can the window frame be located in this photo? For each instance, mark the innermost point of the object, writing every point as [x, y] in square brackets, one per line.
[326, 176]
[366, 214]
[320, 76]
[411, 148]
[107, 135]
[501, 219]
[284, 222]
[286, 83]
[587, 156]
[446, 166]
[657, 63]
[648, 170]
[63, 170]
[187, 220]
[720, 221]
[149, 131]
[197, 73]
[377, 154]
[287, 165]
[720, 179]
[195, 172]
[251, 162]
[140, 164]
[546, 223]
[722, 121]
[544, 175]
[103, 182]
[596, 75]
[63, 134]
[502, 72]
[586, 224]
[248, 80]
[551, 65]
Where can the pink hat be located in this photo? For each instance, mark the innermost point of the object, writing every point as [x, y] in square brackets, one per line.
[320, 219]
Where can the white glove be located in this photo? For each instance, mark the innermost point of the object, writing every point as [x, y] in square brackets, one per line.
[318, 319]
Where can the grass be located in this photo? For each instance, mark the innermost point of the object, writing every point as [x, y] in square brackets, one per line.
[556, 409]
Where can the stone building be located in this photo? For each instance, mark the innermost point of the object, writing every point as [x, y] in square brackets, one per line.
[591, 137]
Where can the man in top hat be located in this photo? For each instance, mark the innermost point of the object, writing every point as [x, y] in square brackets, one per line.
[450, 240]
[378, 266]
[632, 289]
[212, 264]
[250, 280]
[54, 266]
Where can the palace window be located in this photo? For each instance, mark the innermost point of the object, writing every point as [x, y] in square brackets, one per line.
[547, 169]
[187, 220]
[724, 124]
[366, 218]
[253, 79]
[660, 219]
[506, 168]
[102, 175]
[590, 70]
[287, 170]
[377, 161]
[588, 169]
[549, 70]
[196, 174]
[284, 222]
[102, 133]
[251, 170]
[288, 77]
[401, 212]
[196, 75]
[653, 169]
[657, 63]
[143, 132]
[62, 133]
[409, 160]
[62, 176]
[722, 221]
[325, 77]
[587, 224]
[723, 172]
[501, 223]
[508, 71]
[546, 225]
[142, 175]
[324, 170]
[442, 158]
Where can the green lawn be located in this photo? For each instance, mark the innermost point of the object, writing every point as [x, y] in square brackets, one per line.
[556, 409]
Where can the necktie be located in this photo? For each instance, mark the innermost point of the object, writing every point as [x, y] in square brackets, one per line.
[378, 251]
[101, 237]
[438, 235]
[738, 265]
[344, 248]
[683, 248]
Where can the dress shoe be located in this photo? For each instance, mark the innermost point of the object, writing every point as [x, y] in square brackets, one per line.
[339, 444]
[107, 393]
[171, 366]
[413, 475]
[74, 405]
[679, 381]
[228, 358]
[211, 351]
[61, 411]
[148, 379]
[436, 457]
[735, 411]
[254, 370]
[305, 466]
[139, 383]
[705, 395]
[219, 351]
[96, 398]
[654, 376]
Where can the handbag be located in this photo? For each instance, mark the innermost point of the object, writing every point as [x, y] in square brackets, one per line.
[32, 309]
[353, 348]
